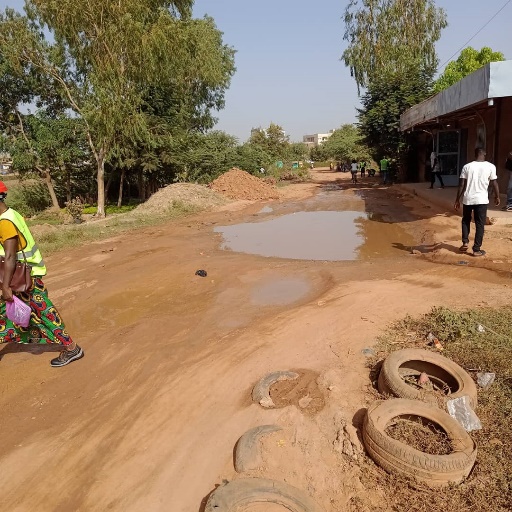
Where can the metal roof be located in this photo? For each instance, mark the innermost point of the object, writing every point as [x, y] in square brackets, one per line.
[494, 80]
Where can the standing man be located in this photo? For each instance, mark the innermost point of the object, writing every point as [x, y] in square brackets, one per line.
[384, 169]
[436, 170]
[474, 190]
[508, 166]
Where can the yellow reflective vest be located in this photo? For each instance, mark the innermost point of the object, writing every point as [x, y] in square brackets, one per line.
[30, 251]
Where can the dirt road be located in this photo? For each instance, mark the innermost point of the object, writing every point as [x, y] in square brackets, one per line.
[147, 421]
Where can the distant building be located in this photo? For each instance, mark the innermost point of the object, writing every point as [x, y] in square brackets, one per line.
[316, 139]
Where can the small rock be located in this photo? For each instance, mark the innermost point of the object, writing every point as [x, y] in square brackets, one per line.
[480, 328]
[305, 401]
[201, 273]
[347, 448]
[416, 252]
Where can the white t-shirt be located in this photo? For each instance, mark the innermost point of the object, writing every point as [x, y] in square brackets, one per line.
[353, 167]
[478, 176]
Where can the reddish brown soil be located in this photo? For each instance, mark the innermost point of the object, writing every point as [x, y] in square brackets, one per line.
[147, 421]
[238, 184]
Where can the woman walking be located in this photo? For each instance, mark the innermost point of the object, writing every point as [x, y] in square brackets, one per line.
[46, 325]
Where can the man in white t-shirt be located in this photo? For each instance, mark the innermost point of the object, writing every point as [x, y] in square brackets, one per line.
[474, 191]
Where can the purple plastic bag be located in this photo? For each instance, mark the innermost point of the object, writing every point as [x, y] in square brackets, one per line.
[18, 312]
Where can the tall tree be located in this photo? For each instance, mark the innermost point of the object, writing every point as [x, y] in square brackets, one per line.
[468, 61]
[382, 104]
[272, 140]
[346, 143]
[107, 56]
[391, 36]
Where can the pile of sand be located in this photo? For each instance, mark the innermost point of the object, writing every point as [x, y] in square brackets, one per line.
[198, 196]
[238, 184]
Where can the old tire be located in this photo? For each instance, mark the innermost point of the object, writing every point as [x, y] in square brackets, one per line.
[412, 361]
[261, 392]
[248, 491]
[397, 457]
[247, 449]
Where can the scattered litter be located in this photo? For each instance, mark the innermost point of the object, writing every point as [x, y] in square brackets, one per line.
[424, 379]
[18, 312]
[432, 340]
[480, 328]
[368, 352]
[463, 262]
[201, 273]
[485, 380]
[460, 410]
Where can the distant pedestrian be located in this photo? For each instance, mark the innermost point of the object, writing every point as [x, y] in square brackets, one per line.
[338, 167]
[384, 170]
[353, 170]
[436, 170]
[474, 191]
[331, 166]
[362, 167]
[508, 166]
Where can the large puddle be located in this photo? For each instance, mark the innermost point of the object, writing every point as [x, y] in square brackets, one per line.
[318, 235]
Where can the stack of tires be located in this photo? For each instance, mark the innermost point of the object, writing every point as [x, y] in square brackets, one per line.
[414, 402]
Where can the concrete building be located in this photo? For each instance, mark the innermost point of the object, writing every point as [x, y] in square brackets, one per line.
[475, 112]
[316, 139]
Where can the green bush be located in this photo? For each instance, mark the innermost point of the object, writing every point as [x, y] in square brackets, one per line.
[29, 198]
[110, 209]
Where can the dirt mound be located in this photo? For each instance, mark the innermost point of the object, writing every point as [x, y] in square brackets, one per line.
[238, 184]
[189, 194]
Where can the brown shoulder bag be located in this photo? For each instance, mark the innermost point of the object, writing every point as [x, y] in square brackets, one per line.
[21, 281]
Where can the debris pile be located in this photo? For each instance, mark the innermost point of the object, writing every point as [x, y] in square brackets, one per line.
[238, 184]
[189, 194]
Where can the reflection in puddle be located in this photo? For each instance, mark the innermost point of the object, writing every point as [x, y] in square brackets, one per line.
[280, 292]
[324, 235]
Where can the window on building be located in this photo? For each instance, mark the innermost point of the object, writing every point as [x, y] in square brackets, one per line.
[448, 143]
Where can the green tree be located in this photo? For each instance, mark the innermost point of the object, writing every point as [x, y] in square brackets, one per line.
[382, 104]
[273, 140]
[48, 145]
[346, 143]
[106, 59]
[468, 61]
[391, 37]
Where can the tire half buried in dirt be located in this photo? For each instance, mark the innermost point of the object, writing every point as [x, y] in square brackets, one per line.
[397, 457]
[236, 495]
[442, 372]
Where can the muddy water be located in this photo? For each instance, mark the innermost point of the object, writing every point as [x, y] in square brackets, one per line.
[280, 292]
[318, 235]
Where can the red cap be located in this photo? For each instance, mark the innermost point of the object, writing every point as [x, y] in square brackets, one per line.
[3, 188]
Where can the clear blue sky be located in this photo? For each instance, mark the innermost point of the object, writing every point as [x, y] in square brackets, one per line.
[288, 51]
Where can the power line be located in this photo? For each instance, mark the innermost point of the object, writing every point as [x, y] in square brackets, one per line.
[473, 37]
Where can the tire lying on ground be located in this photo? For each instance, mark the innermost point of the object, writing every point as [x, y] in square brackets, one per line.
[397, 457]
[235, 495]
[442, 372]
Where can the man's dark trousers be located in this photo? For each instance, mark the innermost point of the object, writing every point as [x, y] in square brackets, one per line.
[480, 215]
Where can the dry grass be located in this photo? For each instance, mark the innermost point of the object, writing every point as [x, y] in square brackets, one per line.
[489, 487]
[427, 438]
